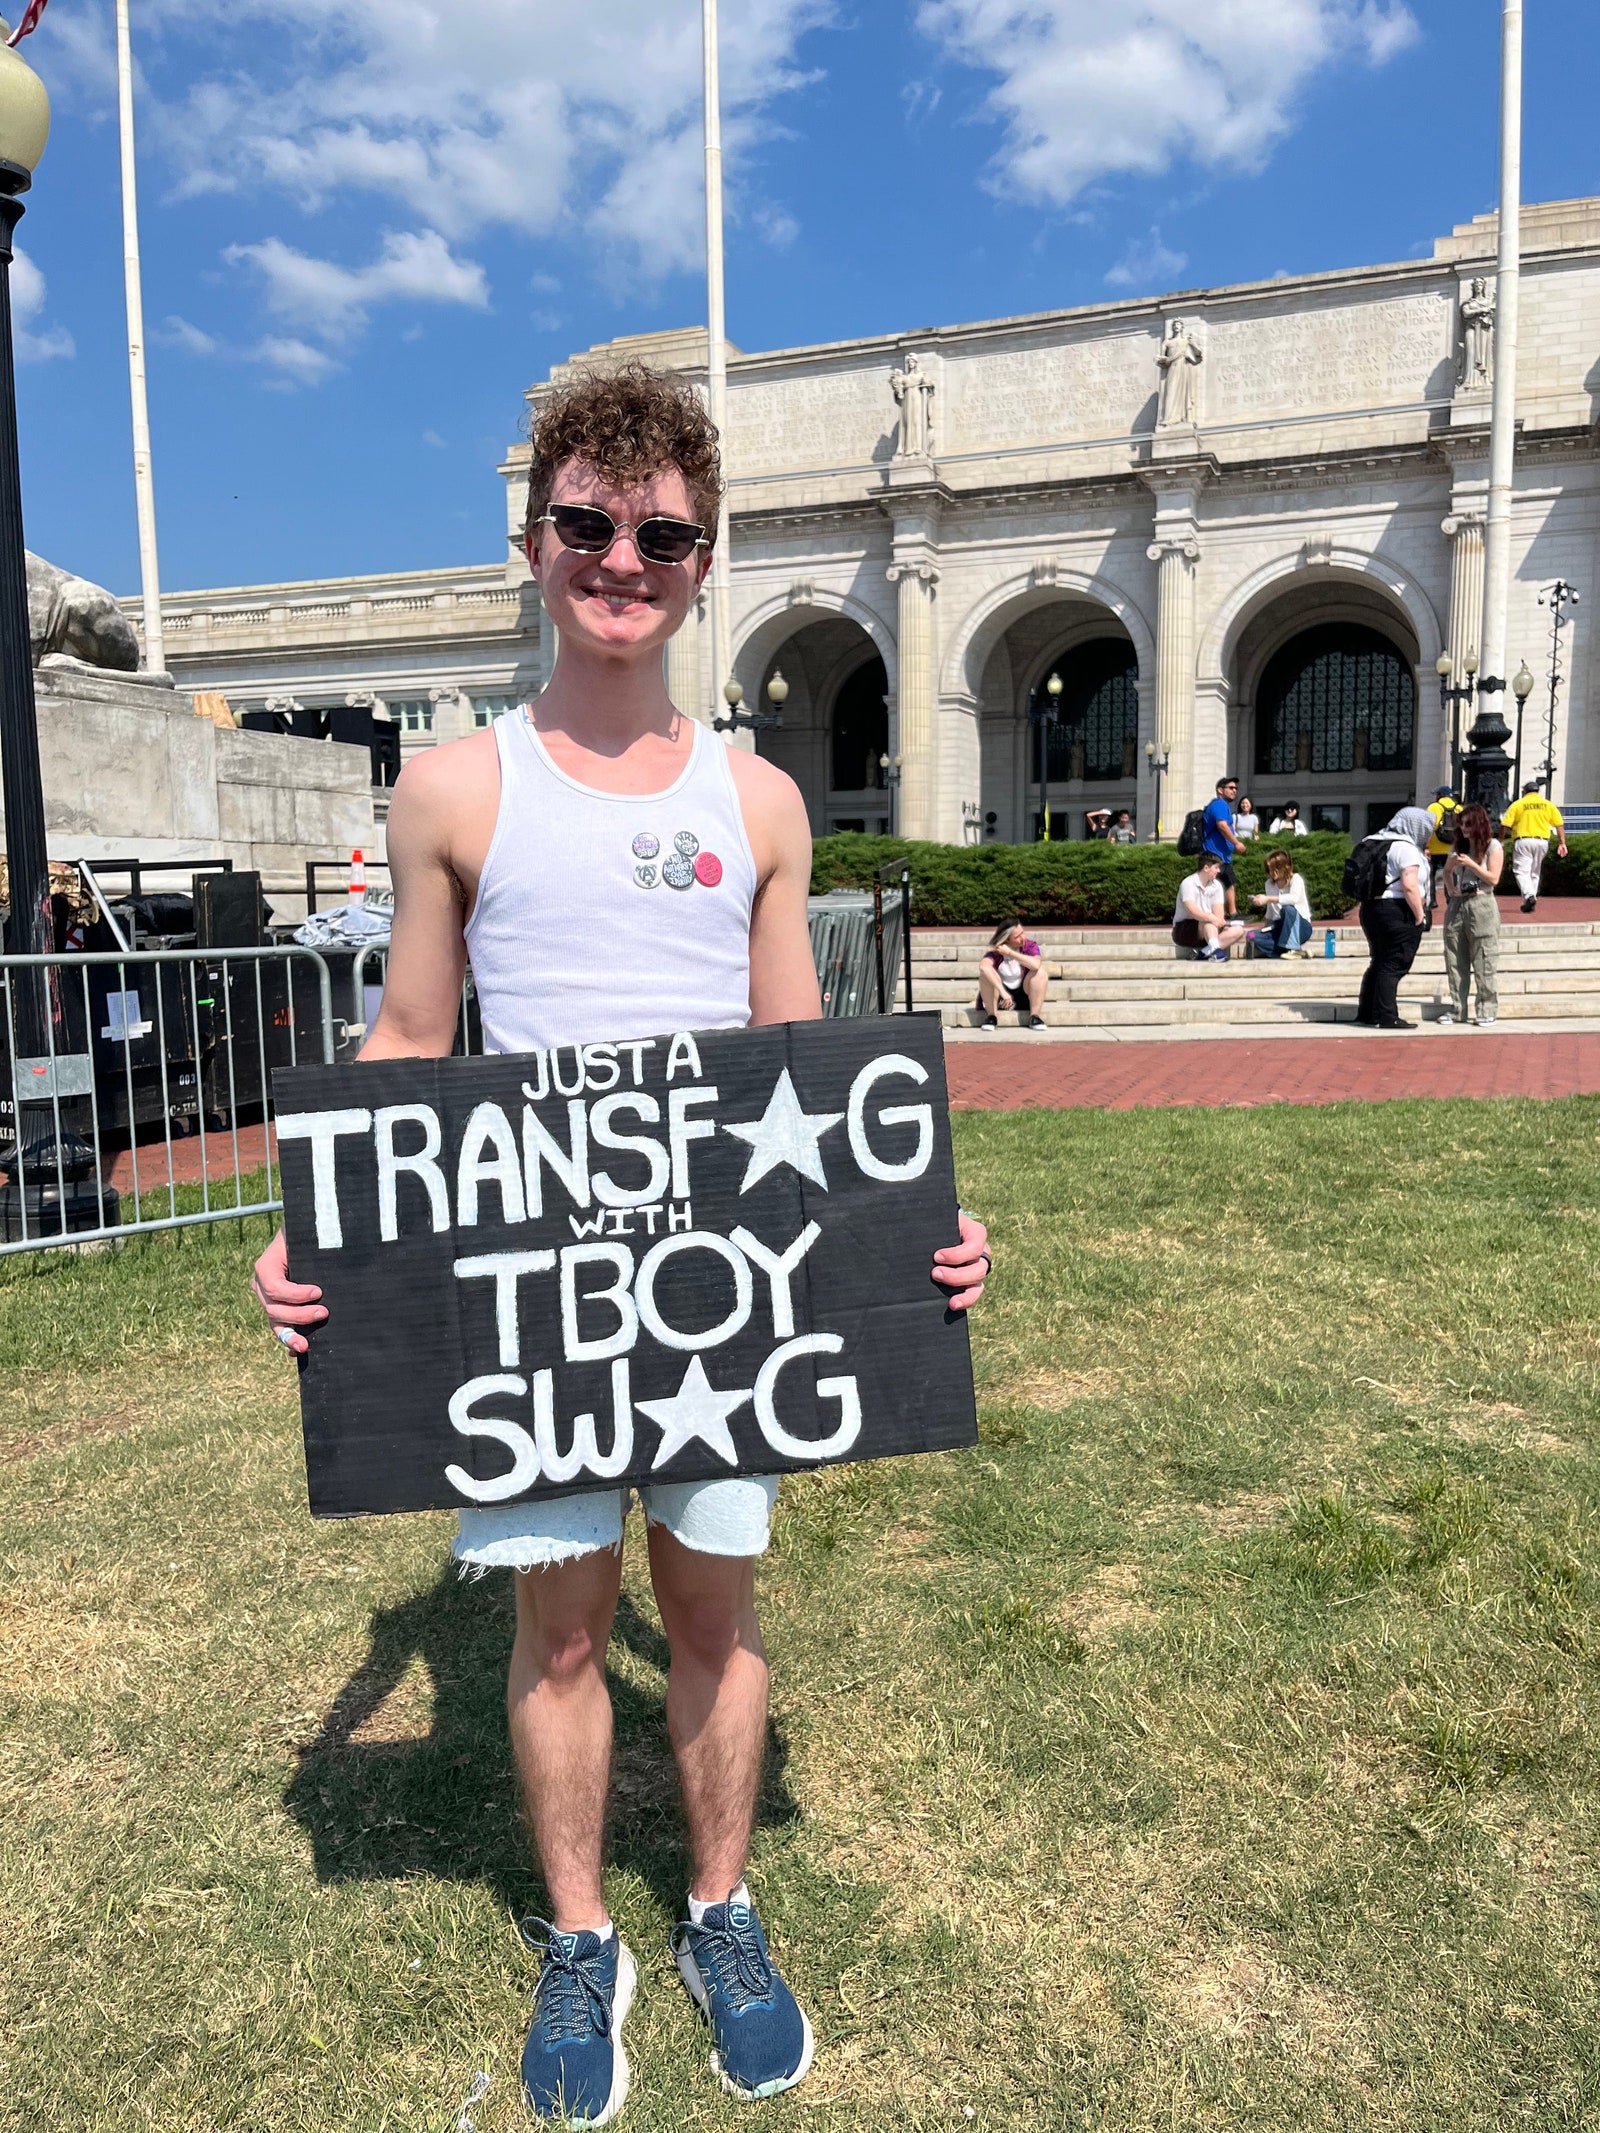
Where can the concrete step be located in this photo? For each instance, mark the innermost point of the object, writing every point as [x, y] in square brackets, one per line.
[1263, 980]
[1245, 1013]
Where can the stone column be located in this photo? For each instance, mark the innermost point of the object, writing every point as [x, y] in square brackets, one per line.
[683, 664]
[1463, 529]
[1176, 555]
[913, 741]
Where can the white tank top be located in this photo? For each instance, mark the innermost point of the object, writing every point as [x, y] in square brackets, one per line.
[610, 915]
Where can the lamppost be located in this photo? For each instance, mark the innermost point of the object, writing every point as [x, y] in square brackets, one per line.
[889, 770]
[1558, 599]
[738, 721]
[1521, 689]
[24, 129]
[1044, 716]
[1158, 761]
[1451, 699]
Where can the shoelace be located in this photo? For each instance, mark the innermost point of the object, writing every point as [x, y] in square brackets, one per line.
[570, 1985]
[732, 1953]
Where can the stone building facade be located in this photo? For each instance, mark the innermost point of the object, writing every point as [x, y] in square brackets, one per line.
[1238, 526]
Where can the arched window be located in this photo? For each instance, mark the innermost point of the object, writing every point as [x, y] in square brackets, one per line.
[861, 729]
[1337, 697]
[1095, 734]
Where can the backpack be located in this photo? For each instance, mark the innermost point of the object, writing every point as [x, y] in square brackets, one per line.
[1192, 837]
[1366, 871]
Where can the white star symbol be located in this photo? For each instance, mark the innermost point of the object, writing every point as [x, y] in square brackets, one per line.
[694, 1411]
[786, 1134]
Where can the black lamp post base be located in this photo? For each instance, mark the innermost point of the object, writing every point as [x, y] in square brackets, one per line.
[49, 1215]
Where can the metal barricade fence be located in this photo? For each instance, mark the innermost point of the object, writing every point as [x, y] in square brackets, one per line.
[844, 948]
[174, 1038]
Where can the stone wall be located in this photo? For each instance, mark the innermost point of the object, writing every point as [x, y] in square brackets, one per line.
[129, 771]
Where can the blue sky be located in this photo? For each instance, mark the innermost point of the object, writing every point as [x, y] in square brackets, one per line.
[367, 227]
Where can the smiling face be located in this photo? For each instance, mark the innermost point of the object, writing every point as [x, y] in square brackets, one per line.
[617, 604]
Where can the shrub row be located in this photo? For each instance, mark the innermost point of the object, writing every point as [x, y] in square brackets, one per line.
[1075, 884]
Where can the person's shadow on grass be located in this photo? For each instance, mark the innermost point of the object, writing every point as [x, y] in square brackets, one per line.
[444, 1803]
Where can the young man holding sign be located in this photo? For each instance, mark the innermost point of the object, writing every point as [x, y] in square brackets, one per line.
[614, 873]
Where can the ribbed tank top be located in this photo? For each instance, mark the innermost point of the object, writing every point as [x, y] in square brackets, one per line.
[610, 915]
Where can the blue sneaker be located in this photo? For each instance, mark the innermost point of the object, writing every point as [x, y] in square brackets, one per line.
[763, 2043]
[573, 2065]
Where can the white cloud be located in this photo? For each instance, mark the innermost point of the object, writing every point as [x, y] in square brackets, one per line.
[1148, 266]
[433, 438]
[292, 361]
[178, 333]
[474, 113]
[27, 301]
[1091, 88]
[333, 301]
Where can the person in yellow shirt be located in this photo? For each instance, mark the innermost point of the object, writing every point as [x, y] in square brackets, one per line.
[1530, 821]
[1444, 808]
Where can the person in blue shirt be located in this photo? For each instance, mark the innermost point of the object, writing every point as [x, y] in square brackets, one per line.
[1221, 839]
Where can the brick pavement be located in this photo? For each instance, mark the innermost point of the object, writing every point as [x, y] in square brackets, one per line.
[1267, 1070]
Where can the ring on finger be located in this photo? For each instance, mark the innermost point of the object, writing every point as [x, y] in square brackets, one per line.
[285, 1336]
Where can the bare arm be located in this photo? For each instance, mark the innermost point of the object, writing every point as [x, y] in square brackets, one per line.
[422, 988]
[1413, 895]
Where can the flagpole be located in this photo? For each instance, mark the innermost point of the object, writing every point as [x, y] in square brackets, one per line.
[719, 583]
[155, 657]
[1494, 656]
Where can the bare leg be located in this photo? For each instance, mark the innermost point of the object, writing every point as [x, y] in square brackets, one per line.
[560, 1716]
[990, 990]
[716, 1703]
[1037, 987]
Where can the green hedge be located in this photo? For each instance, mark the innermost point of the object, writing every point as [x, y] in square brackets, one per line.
[1576, 875]
[1073, 884]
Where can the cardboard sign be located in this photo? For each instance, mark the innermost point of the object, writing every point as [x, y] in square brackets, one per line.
[668, 1260]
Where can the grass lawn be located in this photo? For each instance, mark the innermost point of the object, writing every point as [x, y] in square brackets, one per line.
[1213, 1747]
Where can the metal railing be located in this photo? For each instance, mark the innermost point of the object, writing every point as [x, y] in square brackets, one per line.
[183, 1038]
[857, 942]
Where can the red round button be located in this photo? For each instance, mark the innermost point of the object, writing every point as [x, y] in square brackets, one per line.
[708, 870]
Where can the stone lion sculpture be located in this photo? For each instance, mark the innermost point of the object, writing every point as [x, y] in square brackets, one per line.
[69, 615]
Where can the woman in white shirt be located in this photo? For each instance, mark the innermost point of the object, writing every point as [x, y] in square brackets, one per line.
[1285, 901]
[1246, 821]
[1394, 920]
[1288, 824]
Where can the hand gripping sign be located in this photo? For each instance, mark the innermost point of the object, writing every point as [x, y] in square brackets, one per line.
[679, 1258]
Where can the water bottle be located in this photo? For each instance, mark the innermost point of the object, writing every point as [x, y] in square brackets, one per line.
[1330, 947]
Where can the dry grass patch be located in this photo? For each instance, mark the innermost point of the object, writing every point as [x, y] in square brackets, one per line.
[1241, 1994]
[1054, 1390]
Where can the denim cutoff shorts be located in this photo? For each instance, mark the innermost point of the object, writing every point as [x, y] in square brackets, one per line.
[711, 1517]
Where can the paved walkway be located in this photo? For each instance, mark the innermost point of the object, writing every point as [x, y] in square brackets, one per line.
[1002, 1076]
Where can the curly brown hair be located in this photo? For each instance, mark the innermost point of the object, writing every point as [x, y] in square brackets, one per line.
[627, 424]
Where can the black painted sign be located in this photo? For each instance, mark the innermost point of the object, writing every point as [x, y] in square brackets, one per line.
[675, 1260]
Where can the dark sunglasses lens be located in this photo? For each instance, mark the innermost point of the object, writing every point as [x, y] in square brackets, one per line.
[666, 540]
[583, 528]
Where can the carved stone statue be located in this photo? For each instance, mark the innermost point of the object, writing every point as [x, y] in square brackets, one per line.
[913, 390]
[68, 615]
[1477, 337]
[1180, 358]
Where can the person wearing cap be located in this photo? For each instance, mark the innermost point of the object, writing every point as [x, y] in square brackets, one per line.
[1530, 822]
[1444, 807]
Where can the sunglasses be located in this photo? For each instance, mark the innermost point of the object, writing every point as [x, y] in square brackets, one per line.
[591, 531]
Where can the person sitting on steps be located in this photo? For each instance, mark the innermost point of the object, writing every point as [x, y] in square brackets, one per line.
[1200, 921]
[1012, 974]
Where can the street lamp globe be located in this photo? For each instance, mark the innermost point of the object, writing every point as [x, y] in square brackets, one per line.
[1470, 662]
[778, 688]
[1444, 666]
[24, 112]
[733, 694]
[1054, 687]
[1522, 685]
[1150, 751]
